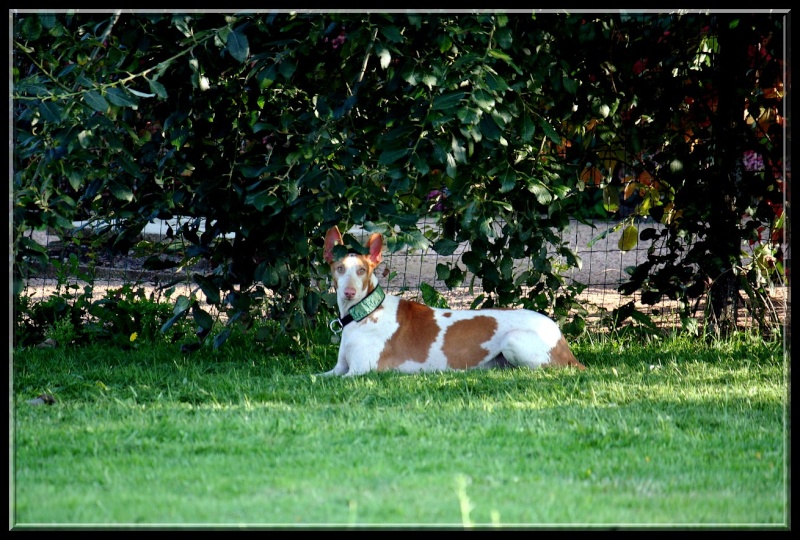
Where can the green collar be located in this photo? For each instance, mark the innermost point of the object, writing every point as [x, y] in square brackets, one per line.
[370, 303]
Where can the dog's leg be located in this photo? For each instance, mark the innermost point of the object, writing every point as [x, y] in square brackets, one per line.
[334, 371]
[341, 367]
[338, 369]
[525, 348]
[346, 371]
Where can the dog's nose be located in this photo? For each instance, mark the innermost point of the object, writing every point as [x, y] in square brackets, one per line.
[349, 293]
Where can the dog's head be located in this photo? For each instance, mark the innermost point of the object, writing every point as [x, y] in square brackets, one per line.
[353, 274]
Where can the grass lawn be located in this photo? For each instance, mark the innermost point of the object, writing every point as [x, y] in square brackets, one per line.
[673, 432]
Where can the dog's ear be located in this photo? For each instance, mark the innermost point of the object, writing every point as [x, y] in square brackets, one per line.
[375, 245]
[332, 238]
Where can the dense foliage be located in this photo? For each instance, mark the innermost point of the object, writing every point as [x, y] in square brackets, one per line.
[267, 128]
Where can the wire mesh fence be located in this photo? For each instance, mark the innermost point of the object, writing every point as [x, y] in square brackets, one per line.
[603, 268]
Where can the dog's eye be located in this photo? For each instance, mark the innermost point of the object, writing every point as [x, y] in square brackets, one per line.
[362, 271]
[340, 269]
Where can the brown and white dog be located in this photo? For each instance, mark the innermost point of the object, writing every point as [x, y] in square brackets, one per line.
[380, 332]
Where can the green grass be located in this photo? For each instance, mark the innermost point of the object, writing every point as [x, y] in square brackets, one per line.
[659, 434]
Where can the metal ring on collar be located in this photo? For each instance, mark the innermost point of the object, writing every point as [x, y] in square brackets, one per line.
[334, 330]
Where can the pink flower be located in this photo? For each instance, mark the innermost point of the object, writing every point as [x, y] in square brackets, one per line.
[339, 40]
[753, 161]
[438, 197]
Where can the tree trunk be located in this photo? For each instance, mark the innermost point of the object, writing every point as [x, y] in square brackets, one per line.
[730, 133]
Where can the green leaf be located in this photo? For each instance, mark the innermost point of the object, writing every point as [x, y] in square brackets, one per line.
[48, 20]
[540, 191]
[31, 28]
[508, 207]
[75, 178]
[50, 112]
[572, 259]
[390, 156]
[469, 115]
[603, 235]
[629, 238]
[459, 153]
[140, 94]
[485, 226]
[622, 312]
[96, 101]
[311, 302]
[251, 172]
[270, 276]
[464, 63]
[551, 133]
[483, 99]
[397, 136]
[445, 246]
[221, 338]
[444, 42]
[182, 304]
[86, 138]
[450, 167]
[28, 88]
[208, 287]
[495, 82]
[167, 325]
[610, 198]
[528, 128]
[508, 179]
[157, 88]
[442, 272]
[447, 101]
[129, 166]
[120, 191]
[420, 165]
[570, 85]
[430, 80]
[237, 46]
[179, 137]
[83, 81]
[495, 53]
[263, 199]
[489, 128]
[644, 319]
[472, 261]
[119, 98]
[411, 75]
[414, 239]
[287, 69]
[267, 76]
[432, 297]
[202, 317]
[392, 34]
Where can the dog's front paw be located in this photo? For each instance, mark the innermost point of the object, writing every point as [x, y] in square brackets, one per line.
[335, 371]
